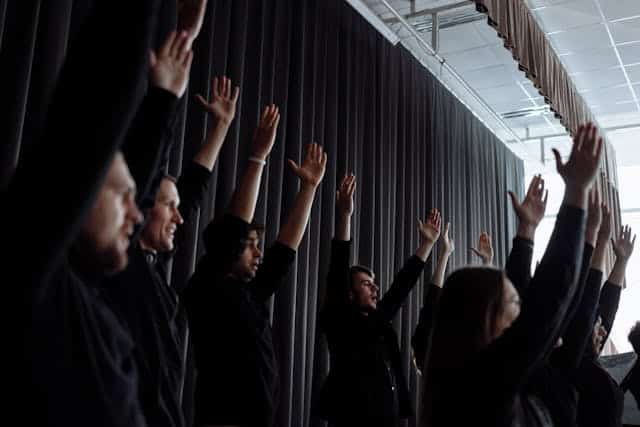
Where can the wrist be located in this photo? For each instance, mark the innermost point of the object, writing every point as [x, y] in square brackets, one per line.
[622, 261]
[222, 122]
[308, 186]
[575, 196]
[526, 230]
[259, 156]
[591, 237]
[257, 160]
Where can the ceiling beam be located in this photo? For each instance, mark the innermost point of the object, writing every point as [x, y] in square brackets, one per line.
[425, 12]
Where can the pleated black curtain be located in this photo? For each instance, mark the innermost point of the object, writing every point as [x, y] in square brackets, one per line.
[375, 109]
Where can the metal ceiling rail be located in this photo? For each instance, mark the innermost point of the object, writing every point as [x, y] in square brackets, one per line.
[400, 19]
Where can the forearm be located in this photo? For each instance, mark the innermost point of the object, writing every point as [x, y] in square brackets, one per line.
[526, 231]
[599, 256]
[293, 229]
[424, 250]
[576, 197]
[208, 154]
[148, 143]
[441, 268]
[518, 266]
[617, 274]
[343, 227]
[245, 197]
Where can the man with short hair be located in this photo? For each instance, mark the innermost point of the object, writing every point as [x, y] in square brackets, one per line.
[366, 385]
[238, 380]
[69, 211]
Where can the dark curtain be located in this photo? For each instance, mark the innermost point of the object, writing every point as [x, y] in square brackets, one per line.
[375, 109]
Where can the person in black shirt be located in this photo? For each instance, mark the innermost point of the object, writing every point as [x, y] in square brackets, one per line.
[631, 381]
[150, 308]
[422, 334]
[227, 297]
[366, 385]
[601, 400]
[484, 345]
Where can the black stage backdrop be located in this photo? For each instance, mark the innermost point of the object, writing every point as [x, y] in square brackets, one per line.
[375, 109]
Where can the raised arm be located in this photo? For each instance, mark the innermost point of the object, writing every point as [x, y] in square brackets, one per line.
[610, 294]
[581, 314]
[530, 212]
[78, 141]
[484, 249]
[149, 139]
[602, 241]
[272, 270]
[344, 207]
[193, 181]
[517, 352]
[245, 197]
[422, 334]
[408, 276]
[447, 246]
[223, 108]
[190, 17]
[310, 172]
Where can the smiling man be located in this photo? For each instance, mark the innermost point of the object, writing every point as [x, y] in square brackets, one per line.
[148, 305]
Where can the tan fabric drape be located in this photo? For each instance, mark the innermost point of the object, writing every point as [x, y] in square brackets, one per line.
[522, 35]
[517, 26]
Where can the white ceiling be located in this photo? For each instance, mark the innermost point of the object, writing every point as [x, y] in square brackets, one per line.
[598, 41]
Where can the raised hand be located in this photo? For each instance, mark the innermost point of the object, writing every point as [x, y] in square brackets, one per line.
[580, 170]
[447, 246]
[223, 99]
[170, 66]
[312, 169]
[484, 249]
[191, 16]
[265, 134]
[531, 211]
[344, 195]
[594, 216]
[430, 230]
[623, 247]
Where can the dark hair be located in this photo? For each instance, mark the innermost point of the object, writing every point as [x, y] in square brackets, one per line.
[634, 337]
[359, 269]
[469, 306]
[226, 256]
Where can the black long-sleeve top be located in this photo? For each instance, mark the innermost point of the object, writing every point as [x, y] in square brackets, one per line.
[601, 398]
[152, 311]
[631, 382]
[238, 378]
[366, 372]
[149, 142]
[75, 361]
[422, 334]
[551, 379]
[498, 375]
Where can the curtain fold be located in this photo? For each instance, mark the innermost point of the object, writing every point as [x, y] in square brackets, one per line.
[375, 109]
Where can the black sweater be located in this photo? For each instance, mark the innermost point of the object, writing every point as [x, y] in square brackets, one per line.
[366, 370]
[238, 379]
[601, 399]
